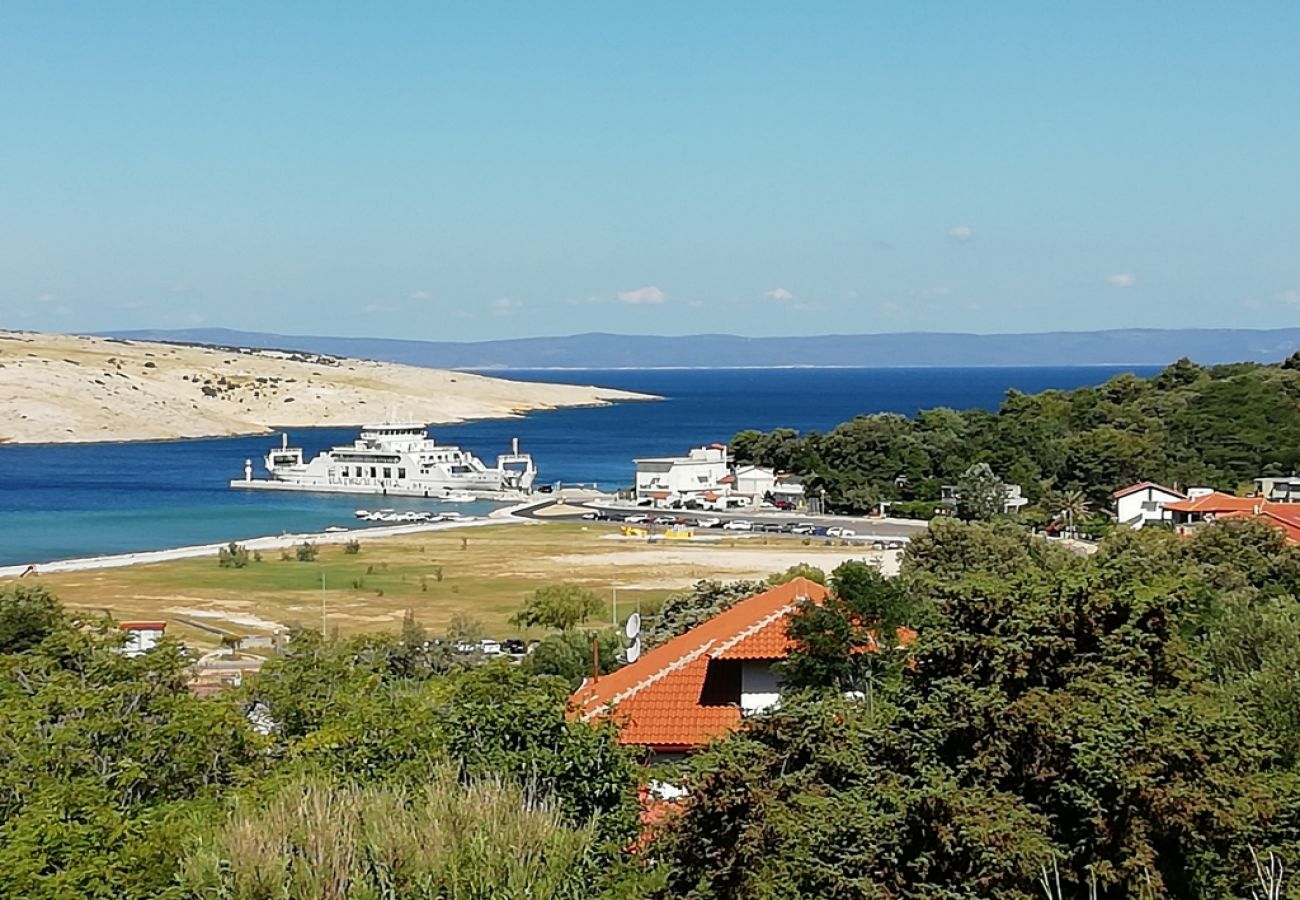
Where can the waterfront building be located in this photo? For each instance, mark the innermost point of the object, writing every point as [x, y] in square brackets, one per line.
[703, 471]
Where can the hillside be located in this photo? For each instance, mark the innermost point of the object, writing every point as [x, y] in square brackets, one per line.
[1135, 346]
[1190, 425]
[66, 389]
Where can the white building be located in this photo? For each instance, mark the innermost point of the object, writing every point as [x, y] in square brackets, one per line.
[1279, 489]
[666, 478]
[142, 637]
[758, 483]
[1144, 503]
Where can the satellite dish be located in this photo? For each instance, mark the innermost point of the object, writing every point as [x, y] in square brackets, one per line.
[634, 651]
[633, 626]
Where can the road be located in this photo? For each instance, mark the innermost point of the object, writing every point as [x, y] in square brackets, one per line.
[868, 528]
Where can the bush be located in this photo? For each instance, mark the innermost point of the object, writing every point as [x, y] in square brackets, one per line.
[352, 547]
[307, 552]
[914, 509]
[232, 556]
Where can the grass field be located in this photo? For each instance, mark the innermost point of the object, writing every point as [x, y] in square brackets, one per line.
[483, 572]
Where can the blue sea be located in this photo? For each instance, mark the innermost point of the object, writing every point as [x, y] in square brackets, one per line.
[60, 501]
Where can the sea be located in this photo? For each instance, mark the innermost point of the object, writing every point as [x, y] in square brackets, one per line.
[63, 501]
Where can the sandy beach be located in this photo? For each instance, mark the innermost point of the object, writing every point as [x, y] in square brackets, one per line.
[70, 389]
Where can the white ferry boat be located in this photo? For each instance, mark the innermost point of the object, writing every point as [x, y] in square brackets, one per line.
[399, 459]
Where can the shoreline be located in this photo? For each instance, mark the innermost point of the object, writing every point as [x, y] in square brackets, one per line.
[285, 541]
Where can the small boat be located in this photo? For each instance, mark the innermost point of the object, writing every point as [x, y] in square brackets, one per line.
[458, 497]
[362, 513]
[335, 529]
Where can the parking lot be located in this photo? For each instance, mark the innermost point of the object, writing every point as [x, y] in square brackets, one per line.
[887, 533]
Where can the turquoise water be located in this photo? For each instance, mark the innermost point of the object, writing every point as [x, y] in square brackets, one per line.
[61, 501]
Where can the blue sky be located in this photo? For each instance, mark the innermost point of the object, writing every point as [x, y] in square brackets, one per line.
[481, 170]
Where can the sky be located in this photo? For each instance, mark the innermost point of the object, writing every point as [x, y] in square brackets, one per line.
[468, 171]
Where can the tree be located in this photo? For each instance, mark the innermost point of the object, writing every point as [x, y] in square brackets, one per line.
[798, 570]
[851, 640]
[558, 606]
[307, 552]
[1058, 711]
[28, 615]
[232, 556]
[1069, 507]
[684, 610]
[980, 494]
[567, 655]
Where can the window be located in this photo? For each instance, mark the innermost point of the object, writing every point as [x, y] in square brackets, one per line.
[401, 472]
[374, 473]
[388, 472]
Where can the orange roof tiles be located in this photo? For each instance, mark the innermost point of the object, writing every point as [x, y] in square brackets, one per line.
[657, 700]
[1214, 502]
[1288, 519]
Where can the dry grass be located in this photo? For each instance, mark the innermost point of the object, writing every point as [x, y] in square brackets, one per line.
[316, 841]
[485, 573]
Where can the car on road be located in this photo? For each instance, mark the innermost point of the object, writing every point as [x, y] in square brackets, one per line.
[636, 519]
[738, 525]
[708, 522]
[803, 528]
[897, 545]
[839, 532]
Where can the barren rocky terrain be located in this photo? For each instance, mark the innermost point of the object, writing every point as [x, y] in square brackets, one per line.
[57, 388]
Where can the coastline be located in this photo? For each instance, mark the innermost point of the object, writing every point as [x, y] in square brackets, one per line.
[268, 542]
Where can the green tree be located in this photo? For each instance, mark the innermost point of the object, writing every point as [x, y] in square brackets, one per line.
[28, 615]
[558, 606]
[567, 655]
[1056, 711]
[980, 494]
[798, 570]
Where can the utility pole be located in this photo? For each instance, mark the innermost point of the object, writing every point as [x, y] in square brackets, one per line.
[614, 610]
[322, 604]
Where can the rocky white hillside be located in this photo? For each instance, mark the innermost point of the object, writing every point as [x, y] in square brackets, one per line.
[64, 388]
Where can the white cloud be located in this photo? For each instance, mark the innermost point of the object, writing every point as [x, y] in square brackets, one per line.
[504, 306]
[1290, 298]
[46, 298]
[961, 233]
[1122, 279]
[647, 294]
[780, 295]
[420, 295]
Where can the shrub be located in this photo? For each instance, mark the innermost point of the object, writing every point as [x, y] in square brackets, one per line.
[232, 556]
[307, 552]
[352, 547]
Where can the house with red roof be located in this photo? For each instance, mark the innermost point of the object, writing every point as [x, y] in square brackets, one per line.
[1204, 507]
[698, 686]
[1144, 504]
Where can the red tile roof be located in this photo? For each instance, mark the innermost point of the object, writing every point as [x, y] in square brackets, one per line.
[1288, 519]
[1142, 486]
[1214, 502]
[657, 699]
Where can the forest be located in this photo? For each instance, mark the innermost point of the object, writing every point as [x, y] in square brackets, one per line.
[1121, 724]
[1189, 425]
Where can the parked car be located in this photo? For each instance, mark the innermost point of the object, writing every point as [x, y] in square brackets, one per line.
[897, 545]
[738, 525]
[514, 646]
[837, 531]
[709, 522]
[489, 647]
[636, 519]
[804, 528]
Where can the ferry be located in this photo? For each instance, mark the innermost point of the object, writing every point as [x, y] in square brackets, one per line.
[395, 458]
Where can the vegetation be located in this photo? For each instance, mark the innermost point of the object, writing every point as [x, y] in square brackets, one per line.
[232, 556]
[115, 780]
[1218, 427]
[558, 606]
[321, 841]
[1119, 719]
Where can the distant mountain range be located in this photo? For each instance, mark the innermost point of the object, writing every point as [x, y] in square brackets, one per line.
[610, 351]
